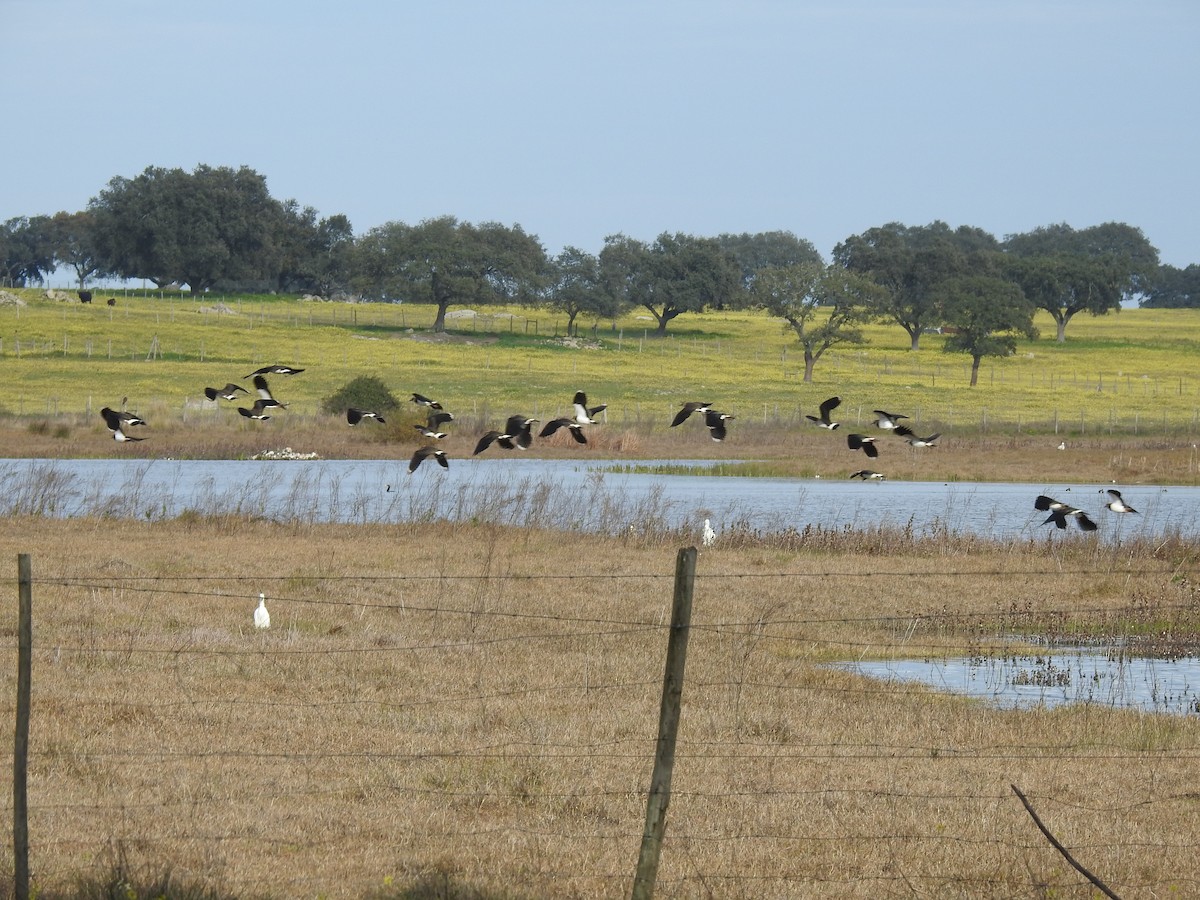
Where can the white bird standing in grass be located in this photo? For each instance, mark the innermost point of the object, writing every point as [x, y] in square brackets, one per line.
[262, 618]
[709, 536]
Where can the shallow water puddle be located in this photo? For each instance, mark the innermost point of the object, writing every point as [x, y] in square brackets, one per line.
[1051, 679]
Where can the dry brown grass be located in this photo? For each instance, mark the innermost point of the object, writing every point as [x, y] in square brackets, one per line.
[456, 711]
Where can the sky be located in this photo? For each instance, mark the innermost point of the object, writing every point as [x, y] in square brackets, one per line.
[579, 119]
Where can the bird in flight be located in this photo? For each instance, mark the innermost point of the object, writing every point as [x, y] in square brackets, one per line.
[257, 411]
[422, 400]
[229, 392]
[868, 475]
[433, 422]
[424, 453]
[716, 423]
[118, 421]
[823, 420]
[688, 409]
[1115, 503]
[914, 440]
[571, 425]
[583, 413]
[275, 370]
[354, 416]
[1059, 512]
[863, 443]
[887, 421]
[265, 397]
[517, 433]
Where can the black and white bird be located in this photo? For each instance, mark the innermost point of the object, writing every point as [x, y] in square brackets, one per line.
[521, 430]
[823, 420]
[1115, 503]
[433, 423]
[707, 536]
[887, 421]
[117, 421]
[571, 425]
[229, 392]
[716, 423]
[422, 400]
[1059, 512]
[584, 414]
[125, 418]
[424, 453]
[868, 475]
[863, 443]
[518, 432]
[688, 409]
[275, 370]
[354, 416]
[265, 397]
[914, 440]
[258, 411]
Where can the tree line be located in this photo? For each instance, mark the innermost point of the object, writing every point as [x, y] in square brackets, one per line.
[219, 228]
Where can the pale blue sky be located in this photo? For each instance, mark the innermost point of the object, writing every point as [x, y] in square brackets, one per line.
[581, 119]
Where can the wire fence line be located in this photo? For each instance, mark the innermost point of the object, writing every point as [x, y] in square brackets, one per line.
[150, 732]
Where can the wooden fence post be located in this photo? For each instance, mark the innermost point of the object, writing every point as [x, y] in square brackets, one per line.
[668, 726]
[21, 738]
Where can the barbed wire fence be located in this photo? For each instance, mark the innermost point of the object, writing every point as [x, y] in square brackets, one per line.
[433, 727]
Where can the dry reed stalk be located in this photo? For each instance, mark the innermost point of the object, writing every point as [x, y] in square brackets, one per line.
[475, 707]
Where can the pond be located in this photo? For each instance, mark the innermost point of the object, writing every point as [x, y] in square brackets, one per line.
[595, 495]
[1065, 675]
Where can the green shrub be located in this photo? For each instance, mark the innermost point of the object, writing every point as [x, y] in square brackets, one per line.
[363, 392]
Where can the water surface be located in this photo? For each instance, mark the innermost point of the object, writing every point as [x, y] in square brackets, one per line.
[579, 495]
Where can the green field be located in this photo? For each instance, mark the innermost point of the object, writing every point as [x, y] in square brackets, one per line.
[1130, 373]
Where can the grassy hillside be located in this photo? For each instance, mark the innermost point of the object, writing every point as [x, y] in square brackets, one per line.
[1130, 374]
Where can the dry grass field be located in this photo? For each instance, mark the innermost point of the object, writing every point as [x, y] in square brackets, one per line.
[470, 711]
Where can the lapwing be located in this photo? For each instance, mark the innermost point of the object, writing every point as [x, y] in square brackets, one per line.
[583, 413]
[229, 392]
[274, 370]
[517, 433]
[1115, 503]
[868, 475]
[887, 421]
[432, 423]
[716, 423]
[428, 432]
[354, 416]
[1059, 512]
[688, 409]
[520, 428]
[258, 411]
[571, 425]
[823, 420]
[424, 453]
[863, 443]
[914, 440]
[265, 397]
[118, 421]
[422, 400]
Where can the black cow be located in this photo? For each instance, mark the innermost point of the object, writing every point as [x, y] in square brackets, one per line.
[85, 296]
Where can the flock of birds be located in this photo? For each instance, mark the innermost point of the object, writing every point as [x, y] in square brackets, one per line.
[518, 432]
[1060, 512]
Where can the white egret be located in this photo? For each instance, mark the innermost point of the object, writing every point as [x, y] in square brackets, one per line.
[262, 618]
